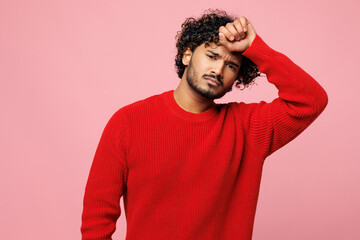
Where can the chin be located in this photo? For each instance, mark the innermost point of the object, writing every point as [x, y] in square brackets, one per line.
[211, 94]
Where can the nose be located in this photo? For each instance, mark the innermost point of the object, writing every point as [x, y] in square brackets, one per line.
[218, 69]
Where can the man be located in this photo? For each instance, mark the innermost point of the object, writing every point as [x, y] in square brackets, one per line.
[189, 168]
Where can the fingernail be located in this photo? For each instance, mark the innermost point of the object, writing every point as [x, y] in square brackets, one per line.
[231, 38]
[244, 29]
[221, 35]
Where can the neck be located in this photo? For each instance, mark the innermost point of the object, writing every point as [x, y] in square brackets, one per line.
[189, 100]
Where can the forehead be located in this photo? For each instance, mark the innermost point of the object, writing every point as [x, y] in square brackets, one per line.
[222, 51]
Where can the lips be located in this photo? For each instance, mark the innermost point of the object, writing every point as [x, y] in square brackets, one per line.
[214, 81]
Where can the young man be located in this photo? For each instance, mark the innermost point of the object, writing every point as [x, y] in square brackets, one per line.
[188, 168]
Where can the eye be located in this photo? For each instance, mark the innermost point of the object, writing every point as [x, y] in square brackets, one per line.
[210, 56]
[232, 66]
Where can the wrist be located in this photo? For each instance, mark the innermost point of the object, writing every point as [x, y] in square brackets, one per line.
[251, 39]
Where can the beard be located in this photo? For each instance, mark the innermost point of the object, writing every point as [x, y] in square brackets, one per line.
[193, 81]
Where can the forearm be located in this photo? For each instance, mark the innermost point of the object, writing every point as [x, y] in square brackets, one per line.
[101, 210]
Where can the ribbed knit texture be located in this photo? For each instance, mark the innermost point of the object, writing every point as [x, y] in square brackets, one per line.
[195, 176]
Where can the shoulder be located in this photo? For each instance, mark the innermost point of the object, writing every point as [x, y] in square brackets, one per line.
[141, 107]
[143, 103]
[238, 108]
[244, 110]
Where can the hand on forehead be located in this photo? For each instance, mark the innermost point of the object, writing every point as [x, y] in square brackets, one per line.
[238, 35]
[223, 52]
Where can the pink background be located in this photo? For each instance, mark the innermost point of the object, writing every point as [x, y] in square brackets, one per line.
[67, 66]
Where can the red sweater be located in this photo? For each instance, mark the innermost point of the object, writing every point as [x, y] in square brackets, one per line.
[184, 175]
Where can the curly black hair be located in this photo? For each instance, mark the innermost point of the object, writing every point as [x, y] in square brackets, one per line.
[206, 30]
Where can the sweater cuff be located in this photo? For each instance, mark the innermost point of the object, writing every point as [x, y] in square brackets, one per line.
[258, 52]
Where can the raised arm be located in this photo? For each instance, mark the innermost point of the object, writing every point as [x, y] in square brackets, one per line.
[301, 100]
[106, 183]
[270, 126]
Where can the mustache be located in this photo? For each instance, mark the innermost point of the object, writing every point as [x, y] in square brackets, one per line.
[216, 77]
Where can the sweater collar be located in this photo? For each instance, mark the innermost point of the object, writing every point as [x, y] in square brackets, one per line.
[170, 102]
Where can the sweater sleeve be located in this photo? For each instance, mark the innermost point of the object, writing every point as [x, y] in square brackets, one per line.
[106, 182]
[270, 126]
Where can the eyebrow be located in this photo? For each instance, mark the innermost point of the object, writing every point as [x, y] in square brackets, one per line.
[218, 55]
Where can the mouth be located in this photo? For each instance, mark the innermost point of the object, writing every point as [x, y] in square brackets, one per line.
[212, 81]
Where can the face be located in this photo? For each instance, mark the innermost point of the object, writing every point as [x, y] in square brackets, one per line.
[211, 70]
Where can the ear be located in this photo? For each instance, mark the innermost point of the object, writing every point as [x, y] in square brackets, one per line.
[186, 56]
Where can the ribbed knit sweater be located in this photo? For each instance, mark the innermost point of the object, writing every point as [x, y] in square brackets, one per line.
[196, 176]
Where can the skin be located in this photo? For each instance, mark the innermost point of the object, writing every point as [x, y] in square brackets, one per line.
[219, 62]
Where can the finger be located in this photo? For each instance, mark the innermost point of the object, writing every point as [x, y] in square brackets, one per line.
[234, 33]
[224, 41]
[243, 22]
[239, 28]
[226, 32]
